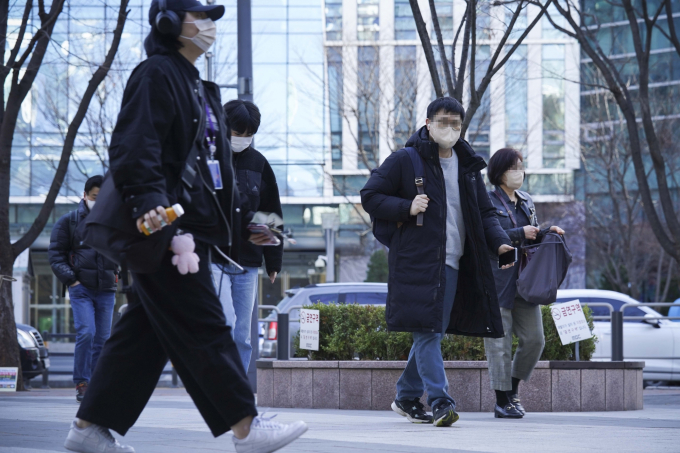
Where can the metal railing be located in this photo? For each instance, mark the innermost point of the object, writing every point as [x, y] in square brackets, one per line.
[617, 324]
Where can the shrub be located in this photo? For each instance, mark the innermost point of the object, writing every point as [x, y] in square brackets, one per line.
[378, 269]
[350, 331]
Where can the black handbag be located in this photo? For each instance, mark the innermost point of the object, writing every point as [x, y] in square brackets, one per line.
[111, 229]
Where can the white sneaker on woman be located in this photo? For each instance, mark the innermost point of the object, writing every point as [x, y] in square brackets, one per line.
[94, 439]
[267, 436]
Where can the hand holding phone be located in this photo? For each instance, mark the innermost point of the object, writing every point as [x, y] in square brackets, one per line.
[507, 258]
[259, 228]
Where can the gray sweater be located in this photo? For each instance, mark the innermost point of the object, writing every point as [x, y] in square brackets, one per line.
[455, 226]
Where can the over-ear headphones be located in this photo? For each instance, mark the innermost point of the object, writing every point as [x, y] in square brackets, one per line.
[167, 22]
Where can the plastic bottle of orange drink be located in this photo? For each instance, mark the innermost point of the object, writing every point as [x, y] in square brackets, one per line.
[173, 212]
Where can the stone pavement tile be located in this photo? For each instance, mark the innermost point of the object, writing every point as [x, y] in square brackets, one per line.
[355, 389]
[614, 390]
[464, 387]
[535, 393]
[383, 390]
[566, 390]
[301, 382]
[283, 389]
[326, 388]
[592, 390]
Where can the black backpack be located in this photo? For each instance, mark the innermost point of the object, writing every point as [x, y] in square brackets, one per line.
[383, 230]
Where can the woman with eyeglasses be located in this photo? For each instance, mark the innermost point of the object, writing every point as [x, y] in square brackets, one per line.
[516, 213]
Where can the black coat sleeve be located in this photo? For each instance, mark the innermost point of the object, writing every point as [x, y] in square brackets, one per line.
[145, 118]
[494, 233]
[58, 252]
[270, 201]
[379, 195]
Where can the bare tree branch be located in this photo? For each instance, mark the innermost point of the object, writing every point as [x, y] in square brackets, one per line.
[442, 49]
[427, 46]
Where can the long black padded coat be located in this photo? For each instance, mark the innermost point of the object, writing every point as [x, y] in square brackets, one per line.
[417, 255]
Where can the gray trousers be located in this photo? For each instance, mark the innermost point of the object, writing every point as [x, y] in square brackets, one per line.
[525, 321]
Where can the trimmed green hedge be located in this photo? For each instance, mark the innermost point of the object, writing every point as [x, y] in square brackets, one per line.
[348, 331]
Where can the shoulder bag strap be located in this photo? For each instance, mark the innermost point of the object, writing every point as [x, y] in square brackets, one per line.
[505, 205]
[417, 162]
[189, 171]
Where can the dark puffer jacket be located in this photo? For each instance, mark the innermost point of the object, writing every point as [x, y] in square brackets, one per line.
[72, 262]
[417, 255]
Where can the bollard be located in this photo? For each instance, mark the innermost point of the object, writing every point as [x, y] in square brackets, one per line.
[45, 379]
[283, 340]
[617, 336]
[174, 377]
[577, 351]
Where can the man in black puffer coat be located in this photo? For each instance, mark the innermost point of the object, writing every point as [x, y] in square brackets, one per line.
[91, 280]
[440, 275]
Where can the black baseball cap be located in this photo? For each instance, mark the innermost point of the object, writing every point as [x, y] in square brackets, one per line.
[214, 12]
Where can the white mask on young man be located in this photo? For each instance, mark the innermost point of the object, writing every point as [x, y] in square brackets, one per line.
[207, 33]
[514, 179]
[89, 203]
[445, 137]
[238, 144]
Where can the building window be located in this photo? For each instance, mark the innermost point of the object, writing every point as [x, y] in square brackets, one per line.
[333, 20]
[516, 92]
[549, 31]
[445, 16]
[405, 91]
[335, 93]
[553, 105]
[348, 186]
[479, 128]
[368, 20]
[368, 107]
[404, 25]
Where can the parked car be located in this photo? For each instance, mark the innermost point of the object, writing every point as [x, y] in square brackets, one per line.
[326, 293]
[35, 357]
[652, 340]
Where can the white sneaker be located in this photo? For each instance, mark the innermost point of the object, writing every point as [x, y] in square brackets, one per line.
[94, 439]
[267, 436]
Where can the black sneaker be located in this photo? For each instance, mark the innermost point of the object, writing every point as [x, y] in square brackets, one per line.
[444, 415]
[413, 410]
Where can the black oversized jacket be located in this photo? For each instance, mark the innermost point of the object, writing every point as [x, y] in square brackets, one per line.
[158, 120]
[72, 261]
[417, 255]
[257, 182]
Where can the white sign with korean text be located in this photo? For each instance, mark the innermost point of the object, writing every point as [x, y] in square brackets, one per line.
[8, 379]
[309, 329]
[570, 322]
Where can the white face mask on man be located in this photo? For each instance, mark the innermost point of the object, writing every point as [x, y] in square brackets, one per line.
[513, 179]
[207, 33]
[238, 144]
[445, 137]
[89, 203]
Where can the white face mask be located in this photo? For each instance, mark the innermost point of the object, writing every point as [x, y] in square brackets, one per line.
[514, 179]
[445, 137]
[238, 144]
[89, 203]
[207, 32]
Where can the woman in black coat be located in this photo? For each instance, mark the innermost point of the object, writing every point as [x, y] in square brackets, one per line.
[517, 215]
[174, 316]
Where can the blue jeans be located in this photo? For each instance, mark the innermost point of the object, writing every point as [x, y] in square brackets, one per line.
[237, 294]
[425, 368]
[92, 316]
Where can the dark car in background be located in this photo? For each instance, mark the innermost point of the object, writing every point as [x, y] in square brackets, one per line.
[326, 293]
[35, 357]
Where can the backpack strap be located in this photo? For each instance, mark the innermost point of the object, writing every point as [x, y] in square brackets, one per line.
[417, 162]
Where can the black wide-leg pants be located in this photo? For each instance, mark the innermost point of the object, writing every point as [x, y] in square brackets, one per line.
[176, 317]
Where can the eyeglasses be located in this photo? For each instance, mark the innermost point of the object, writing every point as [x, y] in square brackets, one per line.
[456, 124]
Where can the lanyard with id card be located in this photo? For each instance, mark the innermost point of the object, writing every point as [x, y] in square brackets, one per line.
[213, 164]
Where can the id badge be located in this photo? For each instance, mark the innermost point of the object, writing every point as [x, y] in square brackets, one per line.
[216, 173]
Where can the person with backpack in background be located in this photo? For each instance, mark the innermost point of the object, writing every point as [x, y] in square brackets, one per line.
[440, 280]
[92, 281]
[256, 181]
[517, 215]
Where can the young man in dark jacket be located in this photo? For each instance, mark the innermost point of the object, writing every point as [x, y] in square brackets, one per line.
[91, 282]
[441, 262]
[256, 182]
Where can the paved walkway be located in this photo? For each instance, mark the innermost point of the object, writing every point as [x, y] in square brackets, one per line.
[37, 422]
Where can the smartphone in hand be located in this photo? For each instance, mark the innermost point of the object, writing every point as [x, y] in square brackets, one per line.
[260, 228]
[507, 258]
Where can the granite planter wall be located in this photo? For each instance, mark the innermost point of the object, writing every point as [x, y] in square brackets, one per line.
[370, 385]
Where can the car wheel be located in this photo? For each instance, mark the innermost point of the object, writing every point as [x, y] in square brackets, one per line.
[646, 384]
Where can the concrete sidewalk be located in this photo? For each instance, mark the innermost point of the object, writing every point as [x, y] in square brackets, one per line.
[37, 422]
